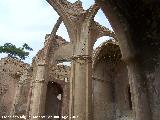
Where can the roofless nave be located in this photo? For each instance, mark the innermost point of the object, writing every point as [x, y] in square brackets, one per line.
[117, 81]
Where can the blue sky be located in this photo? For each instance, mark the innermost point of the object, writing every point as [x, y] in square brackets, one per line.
[27, 21]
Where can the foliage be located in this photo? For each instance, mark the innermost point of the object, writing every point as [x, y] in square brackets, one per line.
[14, 52]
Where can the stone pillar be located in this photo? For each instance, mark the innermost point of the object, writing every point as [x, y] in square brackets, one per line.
[16, 99]
[81, 88]
[29, 101]
[135, 73]
[65, 100]
[139, 90]
[39, 93]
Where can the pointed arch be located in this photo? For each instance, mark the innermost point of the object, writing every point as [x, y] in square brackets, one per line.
[62, 31]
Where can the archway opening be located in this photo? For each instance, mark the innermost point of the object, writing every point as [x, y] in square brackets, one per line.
[62, 31]
[99, 42]
[54, 95]
[103, 21]
[101, 18]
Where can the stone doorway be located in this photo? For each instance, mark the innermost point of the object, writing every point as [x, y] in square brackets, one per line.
[53, 105]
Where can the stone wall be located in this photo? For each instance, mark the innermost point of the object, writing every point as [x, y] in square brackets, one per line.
[13, 97]
[112, 95]
[154, 91]
[122, 93]
[103, 96]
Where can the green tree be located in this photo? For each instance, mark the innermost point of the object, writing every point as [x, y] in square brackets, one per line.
[14, 52]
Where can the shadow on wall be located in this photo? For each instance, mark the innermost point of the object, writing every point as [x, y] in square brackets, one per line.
[53, 105]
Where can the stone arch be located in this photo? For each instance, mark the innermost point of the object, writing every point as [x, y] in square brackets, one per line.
[124, 25]
[97, 31]
[62, 31]
[62, 7]
[137, 49]
[60, 74]
[119, 28]
[75, 18]
[102, 40]
[98, 51]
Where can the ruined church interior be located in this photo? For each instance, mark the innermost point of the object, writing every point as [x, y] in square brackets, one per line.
[119, 80]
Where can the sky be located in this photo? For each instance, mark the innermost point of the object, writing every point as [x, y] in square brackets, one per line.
[28, 21]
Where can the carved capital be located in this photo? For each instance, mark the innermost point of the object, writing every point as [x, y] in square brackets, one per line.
[42, 63]
[39, 81]
[82, 59]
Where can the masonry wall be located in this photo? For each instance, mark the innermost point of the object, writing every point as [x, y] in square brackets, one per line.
[122, 94]
[102, 92]
[10, 76]
[154, 92]
[112, 97]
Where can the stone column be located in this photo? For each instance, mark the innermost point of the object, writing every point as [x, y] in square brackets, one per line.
[81, 88]
[65, 100]
[135, 73]
[39, 93]
[139, 90]
[16, 99]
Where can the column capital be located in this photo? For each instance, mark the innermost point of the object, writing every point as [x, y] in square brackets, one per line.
[82, 58]
[41, 64]
[39, 81]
